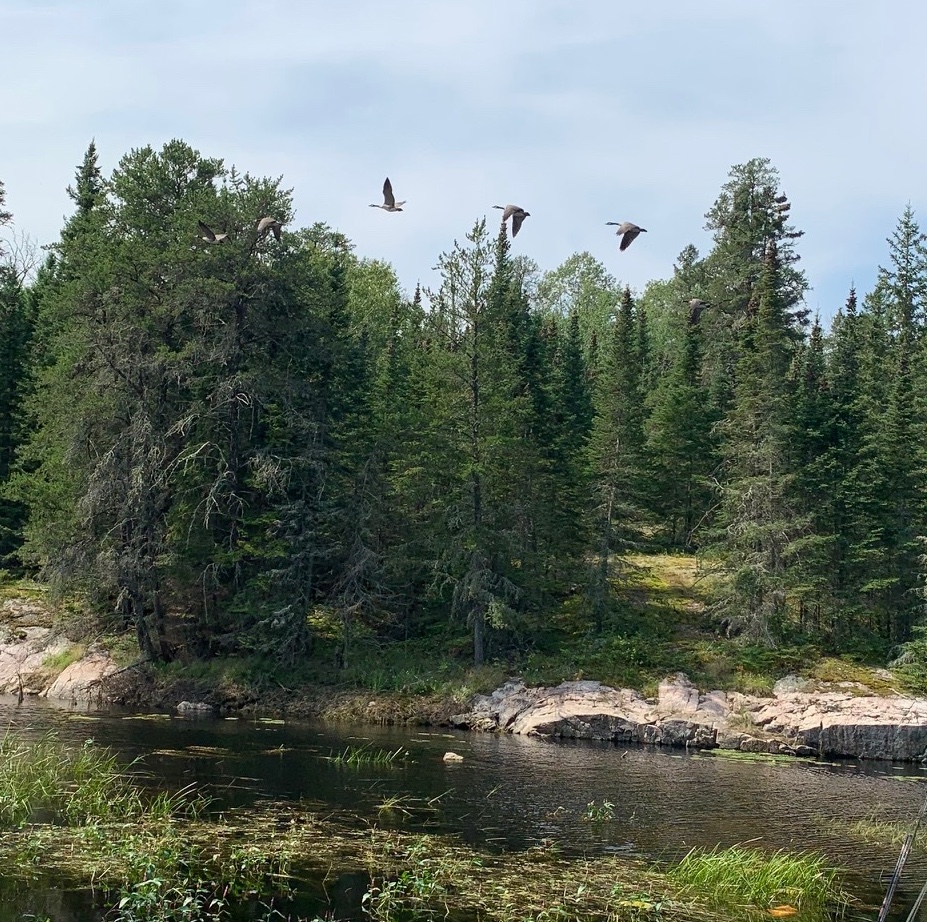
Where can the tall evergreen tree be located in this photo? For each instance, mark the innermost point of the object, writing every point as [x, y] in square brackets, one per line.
[615, 451]
[748, 215]
[885, 484]
[680, 442]
[180, 425]
[758, 522]
[475, 440]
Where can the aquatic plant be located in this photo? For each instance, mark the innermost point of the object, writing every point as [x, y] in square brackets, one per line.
[877, 831]
[742, 876]
[356, 756]
[44, 781]
[599, 813]
[163, 859]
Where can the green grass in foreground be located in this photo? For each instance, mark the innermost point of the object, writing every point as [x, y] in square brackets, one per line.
[743, 877]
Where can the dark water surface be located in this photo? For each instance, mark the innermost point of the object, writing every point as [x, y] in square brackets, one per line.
[509, 792]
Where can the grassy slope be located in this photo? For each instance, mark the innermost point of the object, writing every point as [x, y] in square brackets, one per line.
[660, 626]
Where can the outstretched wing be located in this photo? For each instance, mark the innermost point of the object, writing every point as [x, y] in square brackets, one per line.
[629, 237]
[276, 227]
[388, 198]
[518, 218]
[206, 231]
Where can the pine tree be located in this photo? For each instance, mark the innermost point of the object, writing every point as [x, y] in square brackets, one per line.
[181, 443]
[473, 446]
[17, 321]
[815, 459]
[615, 451]
[572, 417]
[884, 486]
[747, 216]
[758, 523]
[680, 442]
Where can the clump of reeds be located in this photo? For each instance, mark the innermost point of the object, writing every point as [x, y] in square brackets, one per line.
[44, 781]
[747, 877]
[357, 756]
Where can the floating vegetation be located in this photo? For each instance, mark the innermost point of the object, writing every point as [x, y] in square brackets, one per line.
[407, 805]
[357, 756]
[877, 831]
[739, 877]
[207, 750]
[737, 756]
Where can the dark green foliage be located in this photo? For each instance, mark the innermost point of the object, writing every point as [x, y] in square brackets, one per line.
[616, 453]
[251, 445]
[17, 322]
[680, 442]
[758, 519]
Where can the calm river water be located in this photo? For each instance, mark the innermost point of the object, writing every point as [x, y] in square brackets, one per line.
[509, 792]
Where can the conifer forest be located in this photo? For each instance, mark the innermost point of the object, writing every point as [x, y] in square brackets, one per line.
[209, 440]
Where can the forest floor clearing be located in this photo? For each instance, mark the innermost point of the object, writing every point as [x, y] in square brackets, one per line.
[662, 626]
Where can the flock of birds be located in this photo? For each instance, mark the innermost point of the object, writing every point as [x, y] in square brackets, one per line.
[627, 231]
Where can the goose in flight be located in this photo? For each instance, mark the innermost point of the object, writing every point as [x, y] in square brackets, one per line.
[209, 235]
[268, 224]
[696, 306]
[389, 200]
[627, 231]
[516, 213]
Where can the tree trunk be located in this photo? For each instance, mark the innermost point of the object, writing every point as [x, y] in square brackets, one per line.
[479, 622]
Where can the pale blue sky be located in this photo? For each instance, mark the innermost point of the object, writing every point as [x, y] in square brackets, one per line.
[582, 111]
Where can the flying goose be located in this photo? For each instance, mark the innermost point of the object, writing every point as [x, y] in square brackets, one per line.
[696, 306]
[209, 235]
[627, 231]
[389, 200]
[268, 224]
[516, 213]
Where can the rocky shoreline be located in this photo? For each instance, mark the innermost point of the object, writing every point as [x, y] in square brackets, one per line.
[844, 720]
[801, 718]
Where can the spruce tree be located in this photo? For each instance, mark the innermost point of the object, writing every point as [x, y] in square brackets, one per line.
[815, 459]
[615, 452]
[885, 484]
[680, 443]
[757, 520]
[17, 321]
[473, 444]
[748, 215]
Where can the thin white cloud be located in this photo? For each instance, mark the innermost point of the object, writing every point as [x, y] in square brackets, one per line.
[581, 111]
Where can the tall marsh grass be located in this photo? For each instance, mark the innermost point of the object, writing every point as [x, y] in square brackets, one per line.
[746, 877]
[357, 756]
[44, 781]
